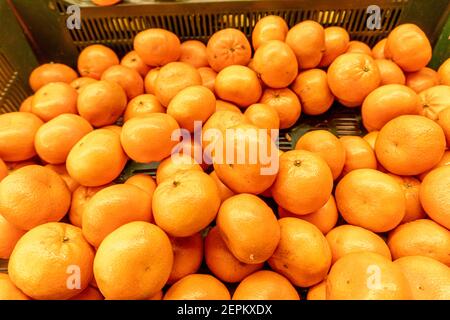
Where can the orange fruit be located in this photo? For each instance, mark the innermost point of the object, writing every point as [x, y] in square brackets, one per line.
[222, 263]
[144, 182]
[359, 47]
[128, 269]
[275, 63]
[112, 207]
[371, 138]
[224, 191]
[408, 46]
[445, 161]
[157, 47]
[194, 53]
[302, 173]
[102, 103]
[150, 81]
[95, 59]
[347, 239]
[105, 2]
[307, 40]
[325, 218]
[80, 83]
[17, 132]
[133, 61]
[286, 103]
[410, 145]
[265, 285]
[422, 79]
[25, 106]
[129, 79]
[187, 256]
[410, 186]
[421, 237]
[9, 235]
[51, 72]
[444, 121]
[62, 171]
[50, 198]
[246, 159]
[208, 76]
[326, 145]
[263, 116]
[89, 293]
[186, 203]
[174, 77]
[390, 73]
[223, 105]
[13, 166]
[303, 255]
[318, 291]
[55, 139]
[157, 296]
[352, 76]
[54, 99]
[96, 159]
[269, 28]
[174, 165]
[3, 170]
[114, 128]
[370, 199]
[358, 154]
[149, 138]
[428, 278]
[198, 287]
[195, 103]
[366, 276]
[311, 86]
[228, 47]
[435, 100]
[80, 198]
[378, 49]
[8, 291]
[388, 102]
[336, 43]
[444, 72]
[55, 249]
[236, 221]
[239, 85]
[142, 105]
[434, 195]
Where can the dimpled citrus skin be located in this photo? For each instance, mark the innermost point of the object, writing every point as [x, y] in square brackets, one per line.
[8, 291]
[45, 257]
[198, 287]
[33, 195]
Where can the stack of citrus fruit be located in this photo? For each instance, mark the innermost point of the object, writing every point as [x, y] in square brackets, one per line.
[336, 218]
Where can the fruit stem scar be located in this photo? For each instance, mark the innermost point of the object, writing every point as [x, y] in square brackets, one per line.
[297, 163]
[176, 183]
[65, 239]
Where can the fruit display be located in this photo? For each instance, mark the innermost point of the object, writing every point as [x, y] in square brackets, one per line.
[228, 214]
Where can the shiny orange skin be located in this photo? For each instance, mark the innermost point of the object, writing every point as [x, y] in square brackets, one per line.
[79, 83]
[51, 72]
[358, 154]
[336, 43]
[194, 53]
[208, 77]
[444, 122]
[54, 99]
[90, 293]
[25, 106]
[352, 76]
[307, 40]
[408, 46]
[60, 169]
[102, 103]
[96, 159]
[157, 47]
[187, 256]
[311, 86]
[378, 49]
[276, 64]
[222, 263]
[422, 79]
[4, 171]
[228, 47]
[444, 72]
[150, 81]
[411, 186]
[133, 61]
[149, 138]
[104, 3]
[198, 287]
[95, 59]
[8, 291]
[9, 235]
[435, 100]
[263, 116]
[224, 191]
[388, 102]
[142, 105]
[390, 73]
[174, 165]
[17, 132]
[226, 106]
[286, 103]
[129, 79]
[55, 139]
[239, 85]
[269, 28]
[305, 172]
[359, 47]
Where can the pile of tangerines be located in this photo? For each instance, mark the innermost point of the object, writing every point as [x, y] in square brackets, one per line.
[340, 218]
